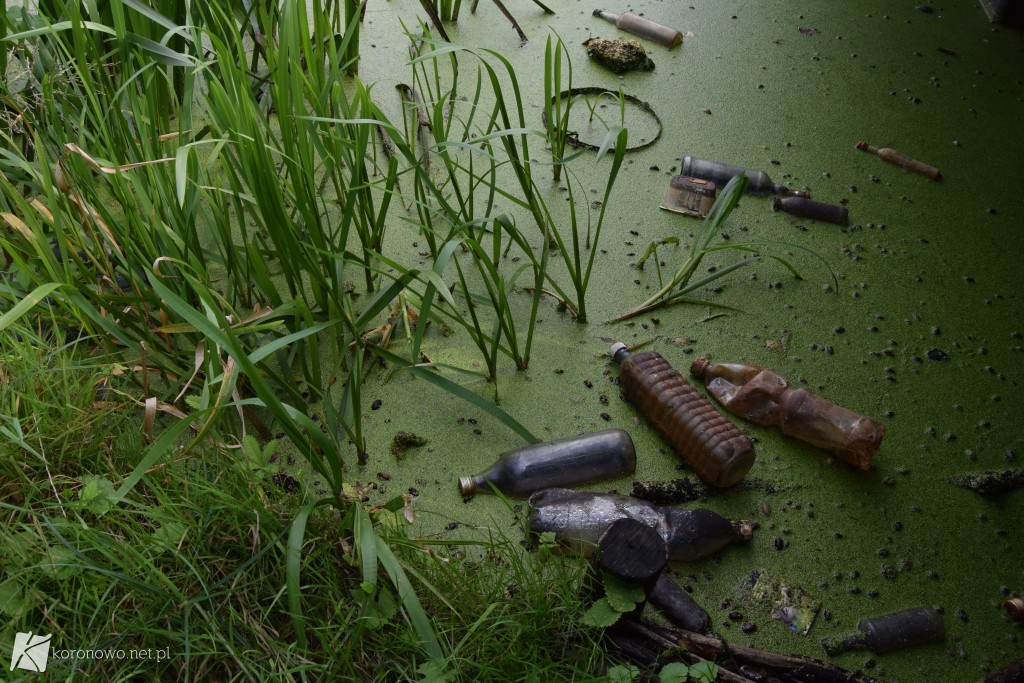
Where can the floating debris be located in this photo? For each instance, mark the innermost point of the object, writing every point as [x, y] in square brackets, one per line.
[619, 55]
[990, 482]
[781, 599]
[808, 31]
[405, 440]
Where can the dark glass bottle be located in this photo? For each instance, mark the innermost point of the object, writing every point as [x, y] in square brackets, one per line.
[765, 397]
[571, 461]
[760, 183]
[578, 518]
[808, 208]
[915, 626]
[719, 453]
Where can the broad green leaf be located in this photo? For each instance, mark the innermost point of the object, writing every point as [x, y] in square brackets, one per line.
[621, 595]
[601, 614]
[674, 672]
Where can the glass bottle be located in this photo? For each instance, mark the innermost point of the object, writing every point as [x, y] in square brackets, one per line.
[644, 28]
[808, 208]
[719, 453]
[915, 626]
[572, 461]
[578, 518]
[900, 159]
[765, 397]
[760, 183]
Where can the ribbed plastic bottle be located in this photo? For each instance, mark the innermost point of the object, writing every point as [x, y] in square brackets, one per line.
[808, 208]
[572, 461]
[717, 451]
[915, 626]
[765, 397]
[760, 183]
[644, 28]
[900, 159]
[578, 518]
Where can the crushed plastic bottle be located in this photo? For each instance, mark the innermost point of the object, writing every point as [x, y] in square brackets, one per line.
[571, 461]
[719, 453]
[765, 397]
[578, 519]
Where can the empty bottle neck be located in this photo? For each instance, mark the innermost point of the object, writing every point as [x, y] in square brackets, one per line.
[467, 485]
[867, 148]
[700, 369]
[607, 16]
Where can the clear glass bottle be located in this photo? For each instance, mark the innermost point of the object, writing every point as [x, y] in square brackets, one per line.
[644, 28]
[578, 518]
[718, 452]
[760, 183]
[915, 626]
[900, 159]
[765, 397]
[572, 461]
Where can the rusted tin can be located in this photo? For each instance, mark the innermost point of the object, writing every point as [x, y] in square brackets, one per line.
[693, 196]
[714, 447]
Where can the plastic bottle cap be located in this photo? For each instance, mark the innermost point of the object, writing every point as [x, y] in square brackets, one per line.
[466, 486]
[616, 347]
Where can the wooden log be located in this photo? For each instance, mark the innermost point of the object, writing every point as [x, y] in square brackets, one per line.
[632, 551]
[678, 606]
[640, 637]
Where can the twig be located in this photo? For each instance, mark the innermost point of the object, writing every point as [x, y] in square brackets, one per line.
[515, 24]
[49, 477]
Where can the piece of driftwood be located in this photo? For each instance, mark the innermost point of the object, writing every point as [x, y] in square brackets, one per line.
[1011, 673]
[650, 643]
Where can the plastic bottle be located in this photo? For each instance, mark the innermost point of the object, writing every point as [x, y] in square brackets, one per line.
[718, 452]
[915, 626]
[578, 518]
[894, 157]
[760, 183]
[808, 208]
[765, 397]
[565, 462]
[644, 28]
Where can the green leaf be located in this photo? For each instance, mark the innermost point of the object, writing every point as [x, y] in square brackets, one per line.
[623, 673]
[601, 614]
[97, 493]
[169, 533]
[621, 595]
[705, 672]
[11, 598]
[674, 672]
[30, 300]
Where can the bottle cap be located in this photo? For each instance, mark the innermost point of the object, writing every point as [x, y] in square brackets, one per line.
[466, 486]
[700, 367]
[617, 347]
[861, 144]
[1014, 608]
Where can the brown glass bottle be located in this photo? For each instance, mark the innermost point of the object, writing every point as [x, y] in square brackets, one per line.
[900, 159]
[765, 397]
[717, 451]
[915, 626]
[571, 461]
[644, 28]
[808, 208]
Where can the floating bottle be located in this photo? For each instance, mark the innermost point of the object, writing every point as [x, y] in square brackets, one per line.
[690, 195]
[1014, 608]
[760, 183]
[894, 157]
[571, 461]
[808, 208]
[644, 28]
[915, 626]
[578, 519]
[718, 452]
[765, 397]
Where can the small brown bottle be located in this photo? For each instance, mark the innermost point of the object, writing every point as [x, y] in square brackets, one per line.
[900, 159]
[718, 452]
[915, 626]
[1014, 608]
[571, 461]
[765, 397]
[644, 28]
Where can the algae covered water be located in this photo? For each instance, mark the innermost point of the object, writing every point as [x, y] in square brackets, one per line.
[922, 328]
